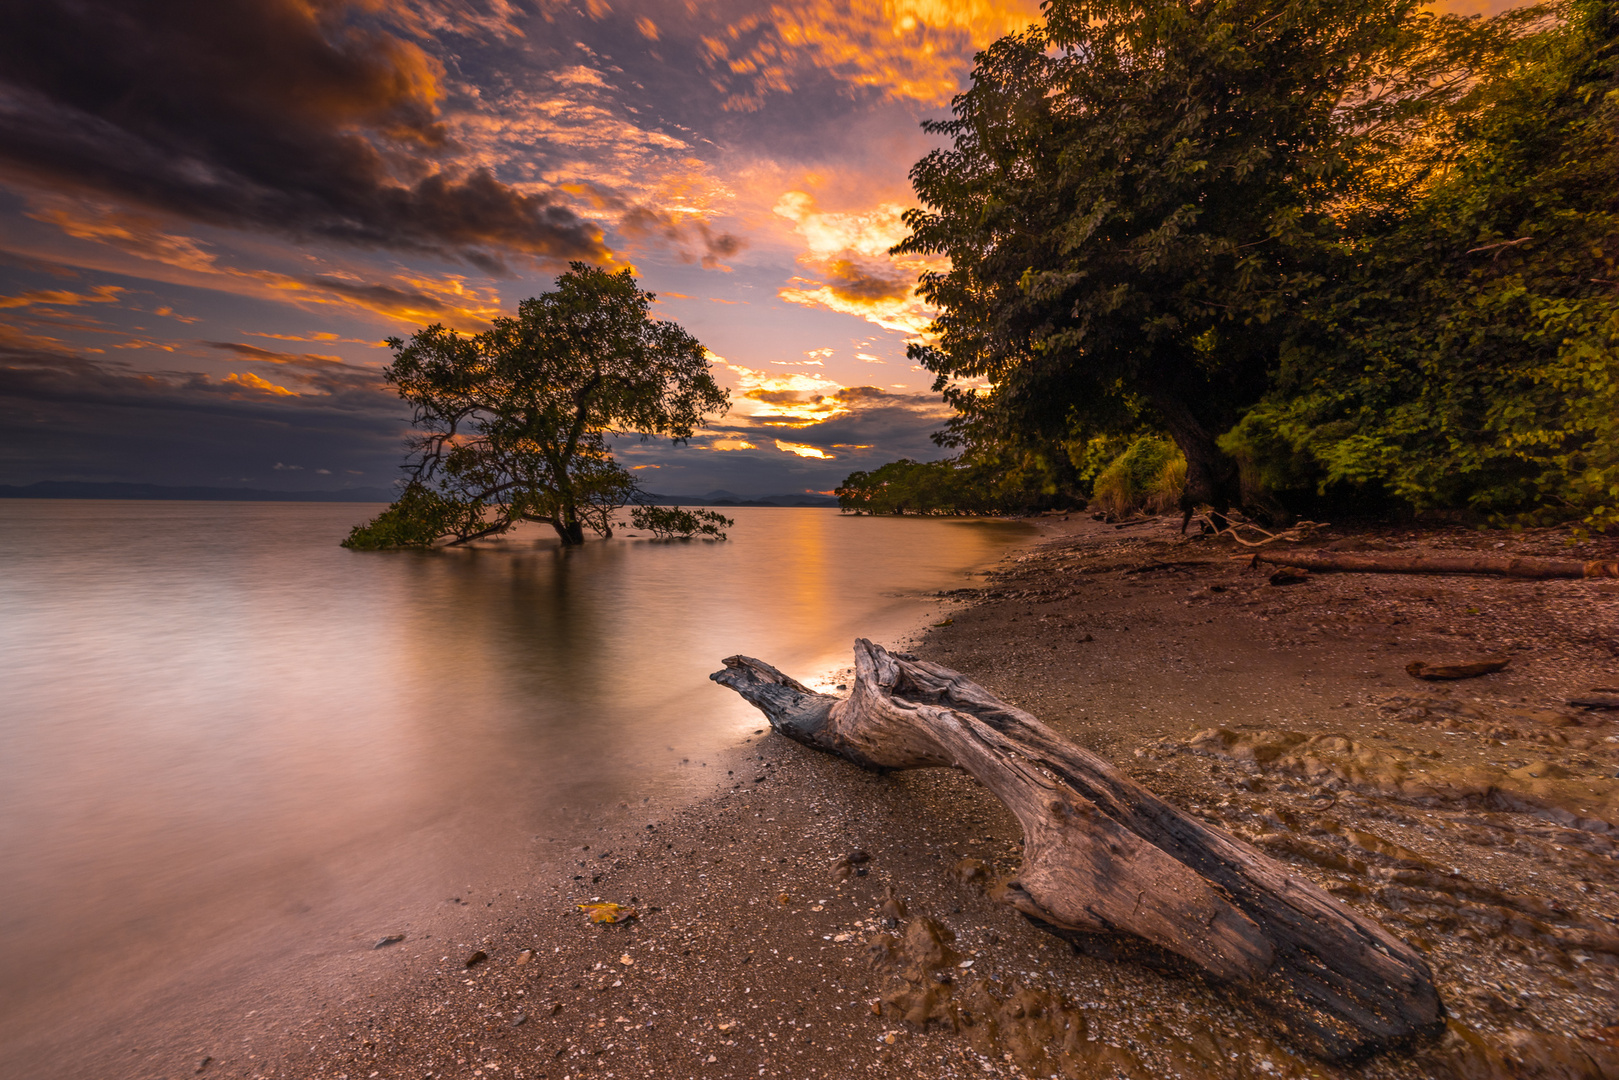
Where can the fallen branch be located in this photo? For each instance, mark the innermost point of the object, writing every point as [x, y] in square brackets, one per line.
[1293, 535]
[1507, 565]
[1103, 855]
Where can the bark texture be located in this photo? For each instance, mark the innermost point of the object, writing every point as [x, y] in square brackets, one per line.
[1502, 565]
[1103, 855]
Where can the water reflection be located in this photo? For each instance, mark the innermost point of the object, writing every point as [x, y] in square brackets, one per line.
[221, 728]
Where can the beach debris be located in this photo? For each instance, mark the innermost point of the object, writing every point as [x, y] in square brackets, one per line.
[391, 939]
[1602, 697]
[970, 871]
[477, 958]
[207, 1060]
[607, 912]
[525, 956]
[947, 622]
[1460, 669]
[1504, 565]
[1289, 575]
[1106, 856]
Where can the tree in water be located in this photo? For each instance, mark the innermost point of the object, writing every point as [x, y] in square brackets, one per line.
[512, 424]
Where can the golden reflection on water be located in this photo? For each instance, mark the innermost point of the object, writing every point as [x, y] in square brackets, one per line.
[221, 728]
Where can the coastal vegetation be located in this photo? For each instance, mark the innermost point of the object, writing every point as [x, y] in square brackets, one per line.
[511, 425]
[1338, 251]
[672, 523]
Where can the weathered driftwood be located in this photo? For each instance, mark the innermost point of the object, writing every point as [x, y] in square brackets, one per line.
[1103, 855]
[1505, 565]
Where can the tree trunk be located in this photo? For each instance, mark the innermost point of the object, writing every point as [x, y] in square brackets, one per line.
[1212, 475]
[1505, 565]
[1103, 855]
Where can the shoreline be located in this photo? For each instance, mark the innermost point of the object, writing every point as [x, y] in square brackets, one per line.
[761, 949]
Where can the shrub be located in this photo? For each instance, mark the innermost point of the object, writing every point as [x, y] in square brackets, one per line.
[1150, 475]
[669, 522]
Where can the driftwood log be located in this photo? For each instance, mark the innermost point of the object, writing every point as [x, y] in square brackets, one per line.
[1104, 856]
[1503, 565]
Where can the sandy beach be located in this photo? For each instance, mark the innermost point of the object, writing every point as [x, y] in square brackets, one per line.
[813, 920]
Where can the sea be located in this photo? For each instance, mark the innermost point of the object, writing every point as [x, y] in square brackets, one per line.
[232, 751]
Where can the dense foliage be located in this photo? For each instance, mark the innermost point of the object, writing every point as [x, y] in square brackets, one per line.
[995, 484]
[1327, 246]
[1466, 353]
[671, 522]
[512, 424]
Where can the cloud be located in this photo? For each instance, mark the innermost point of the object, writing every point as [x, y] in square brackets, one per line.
[308, 118]
[415, 300]
[99, 294]
[803, 450]
[78, 417]
[916, 50]
[849, 254]
[252, 382]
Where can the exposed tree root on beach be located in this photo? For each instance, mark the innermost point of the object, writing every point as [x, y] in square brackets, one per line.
[1105, 856]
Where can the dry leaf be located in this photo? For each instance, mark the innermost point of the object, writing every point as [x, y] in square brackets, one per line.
[607, 912]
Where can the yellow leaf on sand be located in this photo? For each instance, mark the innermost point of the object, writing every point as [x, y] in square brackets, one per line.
[607, 912]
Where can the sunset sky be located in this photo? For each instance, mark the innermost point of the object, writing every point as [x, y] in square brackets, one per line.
[213, 211]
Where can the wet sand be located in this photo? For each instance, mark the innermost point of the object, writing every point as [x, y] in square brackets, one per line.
[812, 920]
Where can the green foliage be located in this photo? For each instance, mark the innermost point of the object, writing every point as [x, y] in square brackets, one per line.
[512, 424]
[1341, 249]
[1149, 475]
[419, 518]
[1134, 204]
[1467, 352]
[1005, 483]
[669, 522]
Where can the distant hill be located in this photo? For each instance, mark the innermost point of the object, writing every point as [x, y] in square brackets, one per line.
[729, 498]
[74, 489]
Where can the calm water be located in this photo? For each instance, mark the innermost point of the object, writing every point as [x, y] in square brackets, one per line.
[222, 736]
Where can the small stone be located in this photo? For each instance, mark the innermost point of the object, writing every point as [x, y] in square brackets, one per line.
[205, 1062]
[520, 1019]
[477, 958]
[391, 939]
[525, 956]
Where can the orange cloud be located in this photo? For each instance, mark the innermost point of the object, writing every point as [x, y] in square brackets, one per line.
[803, 450]
[99, 294]
[250, 381]
[849, 253]
[917, 50]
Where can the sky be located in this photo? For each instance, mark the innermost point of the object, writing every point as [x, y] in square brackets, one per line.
[213, 212]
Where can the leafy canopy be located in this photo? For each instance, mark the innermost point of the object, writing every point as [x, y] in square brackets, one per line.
[1141, 197]
[512, 424]
[1466, 352]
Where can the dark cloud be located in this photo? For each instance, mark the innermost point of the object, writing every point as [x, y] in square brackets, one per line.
[641, 221]
[294, 116]
[72, 417]
[256, 352]
[868, 283]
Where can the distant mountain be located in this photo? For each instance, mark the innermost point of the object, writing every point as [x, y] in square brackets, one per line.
[730, 498]
[74, 489]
